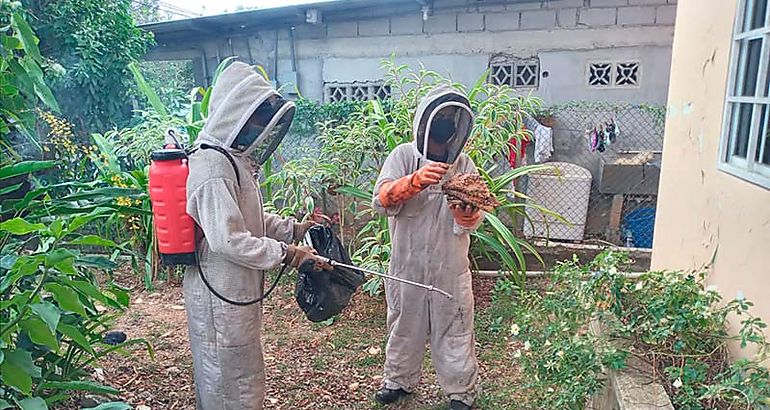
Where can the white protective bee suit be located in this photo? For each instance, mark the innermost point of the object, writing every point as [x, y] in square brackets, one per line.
[428, 246]
[240, 242]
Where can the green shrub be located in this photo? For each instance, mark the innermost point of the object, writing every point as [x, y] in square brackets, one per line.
[670, 319]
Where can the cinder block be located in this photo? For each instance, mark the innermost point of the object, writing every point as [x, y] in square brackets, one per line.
[375, 27]
[597, 17]
[645, 2]
[342, 29]
[310, 31]
[538, 19]
[608, 3]
[470, 22]
[526, 5]
[410, 24]
[441, 23]
[636, 15]
[492, 8]
[501, 21]
[666, 15]
[566, 17]
[560, 4]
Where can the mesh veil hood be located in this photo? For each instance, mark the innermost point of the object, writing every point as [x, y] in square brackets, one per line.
[239, 90]
[438, 98]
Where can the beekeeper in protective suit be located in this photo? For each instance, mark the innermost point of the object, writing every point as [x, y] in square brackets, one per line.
[239, 241]
[430, 241]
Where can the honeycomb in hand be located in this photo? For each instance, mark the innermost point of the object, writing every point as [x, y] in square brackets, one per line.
[469, 189]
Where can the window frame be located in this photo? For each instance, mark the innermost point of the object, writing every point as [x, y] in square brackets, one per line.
[747, 168]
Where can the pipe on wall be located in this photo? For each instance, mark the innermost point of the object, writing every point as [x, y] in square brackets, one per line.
[204, 57]
[275, 58]
[292, 46]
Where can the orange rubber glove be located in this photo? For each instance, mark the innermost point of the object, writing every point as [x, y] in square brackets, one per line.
[401, 190]
[466, 216]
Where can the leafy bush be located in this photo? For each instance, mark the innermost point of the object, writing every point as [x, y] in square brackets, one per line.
[172, 80]
[21, 79]
[94, 41]
[669, 319]
[53, 311]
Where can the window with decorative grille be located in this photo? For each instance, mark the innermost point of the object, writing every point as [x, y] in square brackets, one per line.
[745, 144]
[356, 91]
[623, 74]
[515, 72]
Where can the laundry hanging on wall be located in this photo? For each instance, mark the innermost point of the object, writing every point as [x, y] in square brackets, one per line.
[602, 135]
[517, 151]
[543, 143]
[543, 139]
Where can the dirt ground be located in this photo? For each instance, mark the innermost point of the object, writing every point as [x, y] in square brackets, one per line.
[309, 366]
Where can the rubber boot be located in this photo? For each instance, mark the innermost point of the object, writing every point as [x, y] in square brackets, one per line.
[389, 396]
[458, 405]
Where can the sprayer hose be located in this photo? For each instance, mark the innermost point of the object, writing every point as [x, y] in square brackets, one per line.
[235, 302]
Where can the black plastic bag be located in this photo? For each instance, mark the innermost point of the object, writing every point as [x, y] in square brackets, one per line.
[323, 294]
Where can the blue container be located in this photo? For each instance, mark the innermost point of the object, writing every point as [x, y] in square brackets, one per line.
[641, 224]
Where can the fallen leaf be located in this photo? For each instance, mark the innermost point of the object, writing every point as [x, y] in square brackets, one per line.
[353, 386]
[99, 374]
[177, 307]
[374, 350]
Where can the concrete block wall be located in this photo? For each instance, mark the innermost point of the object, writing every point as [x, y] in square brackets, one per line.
[563, 34]
[457, 29]
[510, 16]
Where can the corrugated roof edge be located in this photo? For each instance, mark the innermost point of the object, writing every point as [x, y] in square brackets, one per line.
[275, 15]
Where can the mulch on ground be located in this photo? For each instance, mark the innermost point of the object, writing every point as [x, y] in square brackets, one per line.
[309, 366]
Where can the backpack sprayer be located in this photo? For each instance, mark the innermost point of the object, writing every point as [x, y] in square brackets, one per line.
[176, 230]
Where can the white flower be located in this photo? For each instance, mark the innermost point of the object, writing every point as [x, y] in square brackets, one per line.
[560, 353]
[515, 329]
[550, 390]
[740, 295]
[517, 354]
[639, 285]
[527, 346]
[712, 288]
[547, 343]
[678, 383]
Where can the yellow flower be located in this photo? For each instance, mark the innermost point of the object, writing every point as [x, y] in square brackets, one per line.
[124, 201]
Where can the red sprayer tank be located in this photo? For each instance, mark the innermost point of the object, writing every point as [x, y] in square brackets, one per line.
[175, 229]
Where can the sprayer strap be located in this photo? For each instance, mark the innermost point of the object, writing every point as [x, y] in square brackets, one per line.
[228, 156]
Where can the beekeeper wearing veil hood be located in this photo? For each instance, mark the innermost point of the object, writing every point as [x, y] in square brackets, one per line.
[430, 242]
[238, 240]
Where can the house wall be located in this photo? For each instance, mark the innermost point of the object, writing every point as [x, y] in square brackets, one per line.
[459, 39]
[705, 215]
